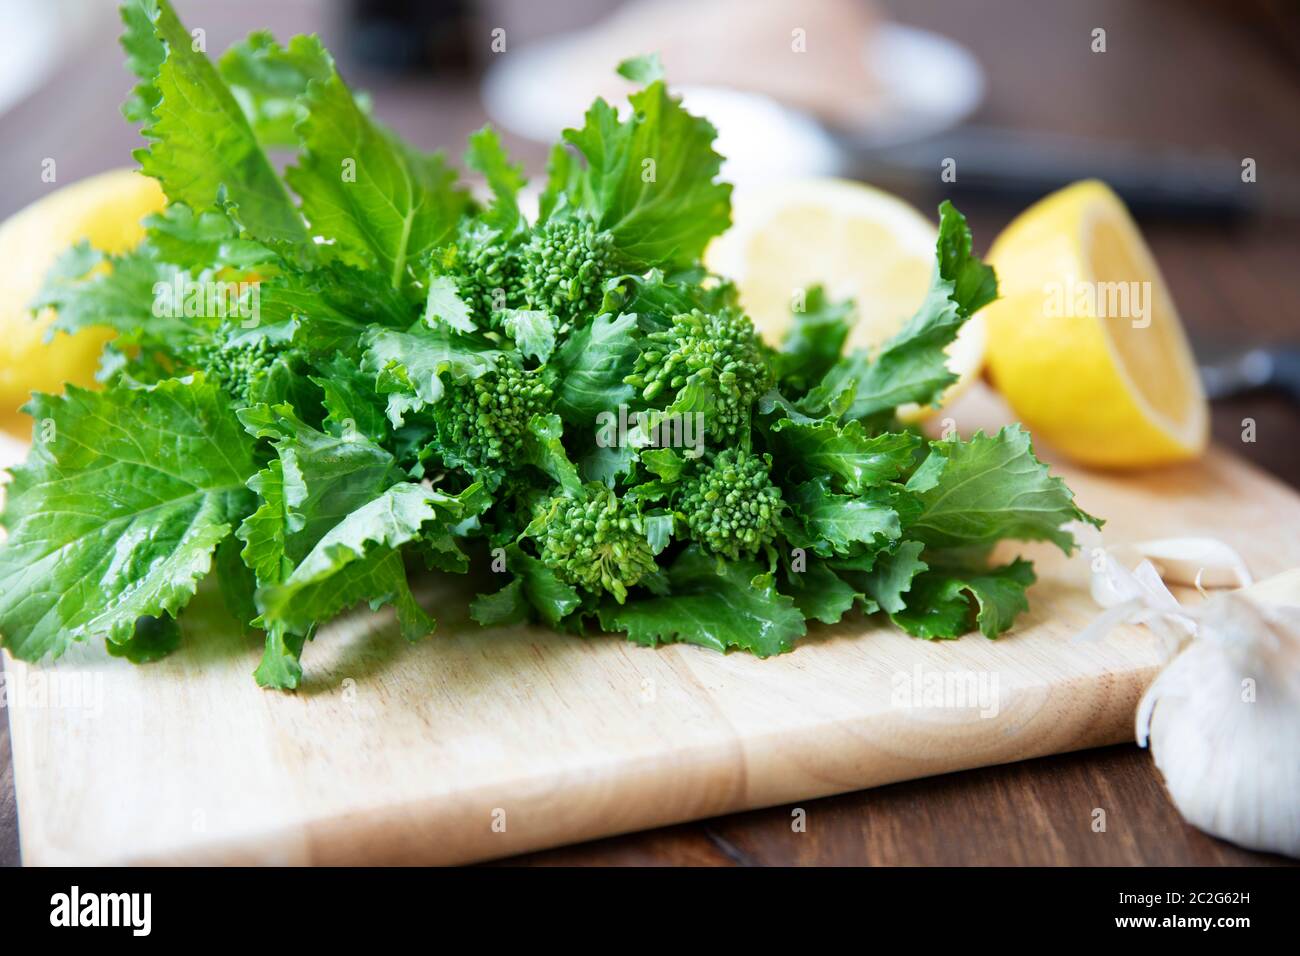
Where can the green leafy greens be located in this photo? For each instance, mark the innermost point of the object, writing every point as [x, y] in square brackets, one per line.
[397, 374]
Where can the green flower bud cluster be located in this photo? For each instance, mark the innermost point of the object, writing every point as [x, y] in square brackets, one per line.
[596, 542]
[234, 366]
[563, 265]
[732, 507]
[486, 418]
[486, 273]
[722, 349]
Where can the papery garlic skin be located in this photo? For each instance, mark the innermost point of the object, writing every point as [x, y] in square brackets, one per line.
[1223, 724]
[1199, 562]
[1136, 597]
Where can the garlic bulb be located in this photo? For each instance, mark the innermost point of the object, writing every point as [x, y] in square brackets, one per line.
[1223, 723]
[1222, 719]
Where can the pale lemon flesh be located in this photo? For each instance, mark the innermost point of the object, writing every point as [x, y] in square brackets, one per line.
[854, 240]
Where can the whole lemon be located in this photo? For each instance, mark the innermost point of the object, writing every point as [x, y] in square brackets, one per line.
[106, 211]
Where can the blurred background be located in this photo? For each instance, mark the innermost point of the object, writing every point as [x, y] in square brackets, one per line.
[1166, 102]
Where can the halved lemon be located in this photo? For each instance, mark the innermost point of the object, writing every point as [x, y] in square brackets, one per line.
[855, 241]
[1085, 342]
[106, 211]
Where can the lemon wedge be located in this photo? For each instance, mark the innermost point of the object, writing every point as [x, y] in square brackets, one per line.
[1085, 342]
[105, 210]
[854, 240]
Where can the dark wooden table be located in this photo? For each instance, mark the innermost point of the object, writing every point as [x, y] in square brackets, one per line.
[1176, 74]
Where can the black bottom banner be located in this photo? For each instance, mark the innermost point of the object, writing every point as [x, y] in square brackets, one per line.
[344, 905]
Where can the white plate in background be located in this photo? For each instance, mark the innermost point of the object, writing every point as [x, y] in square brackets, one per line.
[926, 82]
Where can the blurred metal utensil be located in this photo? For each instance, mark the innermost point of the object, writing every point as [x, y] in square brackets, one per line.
[1276, 367]
[1020, 166]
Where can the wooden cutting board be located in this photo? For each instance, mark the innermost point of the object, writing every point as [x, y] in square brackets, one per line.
[484, 743]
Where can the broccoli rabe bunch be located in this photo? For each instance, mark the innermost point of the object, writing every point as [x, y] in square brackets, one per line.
[566, 406]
